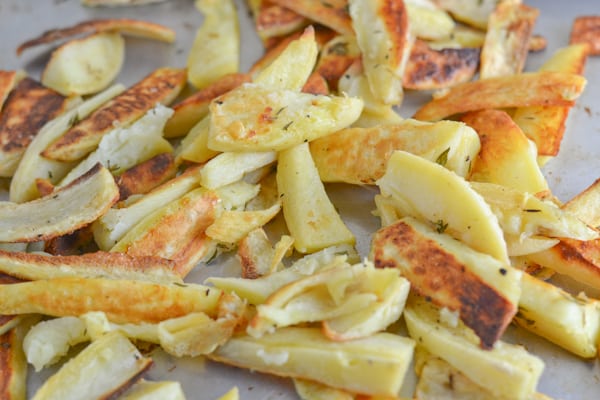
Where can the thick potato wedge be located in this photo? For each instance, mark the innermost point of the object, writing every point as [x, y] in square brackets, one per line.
[216, 48]
[190, 111]
[383, 36]
[416, 186]
[33, 166]
[309, 214]
[175, 231]
[110, 375]
[428, 21]
[545, 125]
[26, 110]
[507, 370]
[375, 365]
[360, 155]
[435, 69]
[161, 86]
[230, 167]
[64, 211]
[123, 25]
[146, 301]
[30, 266]
[585, 30]
[125, 147]
[333, 13]
[483, 290]
[527, 89]
[255, 118]
[471, 12]
[507, 39]
[232, 226]
[85, 66]
[507, 157]
[570, 322]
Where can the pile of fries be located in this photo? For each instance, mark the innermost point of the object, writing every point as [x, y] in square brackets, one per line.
[116, 194]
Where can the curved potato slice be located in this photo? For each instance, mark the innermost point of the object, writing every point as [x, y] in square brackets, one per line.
[527, 89]
[125, 26]
[64, 211]
[430, 192]
[331, 13]
[85, 66]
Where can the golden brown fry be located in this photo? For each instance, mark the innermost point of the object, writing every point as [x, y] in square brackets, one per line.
[147, 175]
[586, 29]
[273, 20]
[31, 266]
[28, 107]
[13, 363]
[78, 242]
[507, 39]
[126, 26]
[435, 69]
[336, 56]
[447, 278]
[586, 205]
[123, 301]
[528, 89]
[161, 86]
[316, 84]
[331, 13]
[195, 107]
[8, 80]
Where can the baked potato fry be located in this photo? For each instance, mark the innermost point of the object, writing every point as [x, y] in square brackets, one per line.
[13, 364]
[375, 365]
[527, 89]
[545, 125]
[64, 211]
[161, 86]
[416, 186]
[309, 214]
[154, 390]
[216, 48]
[585, 30]
[482, 290]
[255, 118]
[335, 58]
[32, 166]
[471, 12]
[383, 36]
[109, 374]
[147, 175]
[429, 68]
[192, 109]
[507, 157]
[507, 370]
[8, 81]
[273, 21]
[333, 13]
[507, 39]
[428, 21]
[125, 26]
[585, 204]
[568, 321]
[175, 232]
[123, 148]
[26, 110]
[360, 155]
[32, 266]
[146, 301]
[230, 167]
[232, 226]
[111, 227]
[85, 66]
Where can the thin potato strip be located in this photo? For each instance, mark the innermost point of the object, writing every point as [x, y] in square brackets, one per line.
[124, 25]
[29, 106]
[64, 211]
[526, 89]
[161, 86]
[146, 301]
[30, 266]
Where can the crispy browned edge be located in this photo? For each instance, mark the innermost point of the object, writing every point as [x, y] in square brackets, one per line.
[28, 107]
[435, 69]
[145, 176]
[160, 86]
[273, 20]
[586, 29]
[8, 80]
[441, 278]
[92, 26]
[331, 13]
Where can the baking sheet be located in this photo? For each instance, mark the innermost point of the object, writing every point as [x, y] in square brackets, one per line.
[577, 166]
